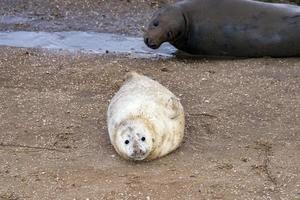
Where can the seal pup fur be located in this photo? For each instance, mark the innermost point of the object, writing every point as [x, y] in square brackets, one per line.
[238, 28]
[145, 120]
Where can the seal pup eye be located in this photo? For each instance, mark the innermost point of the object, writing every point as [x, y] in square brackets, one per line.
[156, 23]
[126, 141]
[143, 139]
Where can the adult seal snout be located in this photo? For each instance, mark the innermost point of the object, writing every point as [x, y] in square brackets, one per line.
[145, 120]
[242, 28]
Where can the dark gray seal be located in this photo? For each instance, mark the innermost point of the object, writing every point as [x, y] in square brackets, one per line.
[242, 28]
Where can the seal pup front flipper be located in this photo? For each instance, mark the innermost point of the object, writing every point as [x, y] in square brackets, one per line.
[173, 107]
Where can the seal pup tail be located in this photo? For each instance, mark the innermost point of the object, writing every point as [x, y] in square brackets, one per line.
[130, 75]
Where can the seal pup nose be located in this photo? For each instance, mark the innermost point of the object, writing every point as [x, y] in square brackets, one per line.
[138, 154]
[137, 150]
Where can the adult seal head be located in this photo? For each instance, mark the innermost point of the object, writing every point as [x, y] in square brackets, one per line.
[239, 28]
[167, 25]
[145, 120]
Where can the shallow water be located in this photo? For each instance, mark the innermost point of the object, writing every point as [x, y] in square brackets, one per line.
[88, 42]
[10, 19]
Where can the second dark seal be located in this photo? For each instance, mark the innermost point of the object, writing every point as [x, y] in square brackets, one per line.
[242, 28]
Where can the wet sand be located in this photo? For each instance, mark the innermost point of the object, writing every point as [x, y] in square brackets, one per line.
[243, 117]
[115, 16]
[242, 135]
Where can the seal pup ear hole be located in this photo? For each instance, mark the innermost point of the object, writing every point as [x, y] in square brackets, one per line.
[126, 142]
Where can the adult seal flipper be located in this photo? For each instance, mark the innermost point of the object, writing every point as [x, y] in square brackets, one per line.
[239, 28]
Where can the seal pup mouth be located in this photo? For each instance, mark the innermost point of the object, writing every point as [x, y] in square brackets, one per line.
[138, 158]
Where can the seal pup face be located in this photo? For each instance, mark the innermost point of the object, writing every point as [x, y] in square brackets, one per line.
[166, 25]
[134, 140]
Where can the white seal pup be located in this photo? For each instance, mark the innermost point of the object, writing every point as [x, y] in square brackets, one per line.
[145, 120]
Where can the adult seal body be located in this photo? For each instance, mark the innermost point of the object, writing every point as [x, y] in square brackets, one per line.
[145, 120]
[227, 28]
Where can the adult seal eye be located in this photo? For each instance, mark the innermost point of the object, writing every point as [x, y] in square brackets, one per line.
[126, 141]
[143, 139]
[155, 23]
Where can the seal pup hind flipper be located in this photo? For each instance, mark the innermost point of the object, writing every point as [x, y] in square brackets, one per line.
[174, 107]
